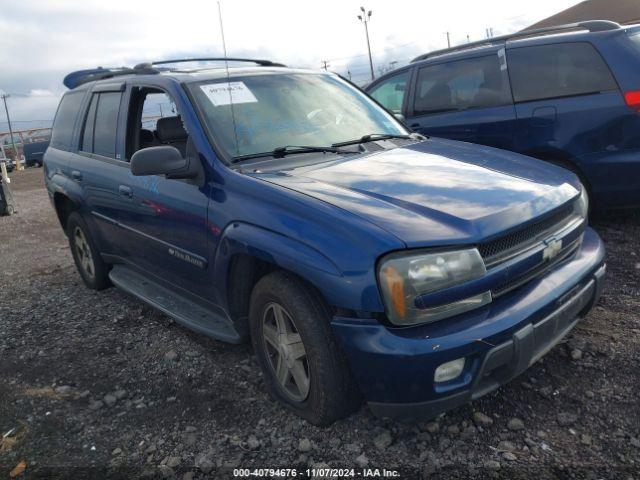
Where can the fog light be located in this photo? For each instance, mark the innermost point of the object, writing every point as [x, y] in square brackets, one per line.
[449, 371]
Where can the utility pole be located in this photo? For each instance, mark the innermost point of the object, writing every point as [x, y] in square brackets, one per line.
[4, 97]
[365, 18]
[349, 73]
[448, 40]
[325, 64]
[468, 39]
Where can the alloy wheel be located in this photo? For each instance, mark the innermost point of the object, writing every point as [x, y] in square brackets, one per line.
[285, 352]
[83, 251]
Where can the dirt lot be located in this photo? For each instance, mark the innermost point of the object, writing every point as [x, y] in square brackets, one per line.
[99, 385]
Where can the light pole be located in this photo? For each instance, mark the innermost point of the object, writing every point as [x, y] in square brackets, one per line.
[365, 18]
[13, 143]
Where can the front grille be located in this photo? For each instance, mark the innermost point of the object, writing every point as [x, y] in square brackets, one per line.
[494, 251]
[538, 270]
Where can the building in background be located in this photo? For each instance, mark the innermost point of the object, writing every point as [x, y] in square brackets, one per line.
[621, 11]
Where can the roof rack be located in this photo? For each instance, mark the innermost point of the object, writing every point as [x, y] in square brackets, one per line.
[262, 63]
[589, 25]
[75, 79]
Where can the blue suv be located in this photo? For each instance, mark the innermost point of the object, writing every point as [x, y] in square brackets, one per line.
[569, 95]
[285, 207]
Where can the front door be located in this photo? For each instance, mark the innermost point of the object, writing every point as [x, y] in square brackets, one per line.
[166, 224]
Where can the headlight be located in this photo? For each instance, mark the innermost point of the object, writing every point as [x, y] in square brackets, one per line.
[582, 204]
[405, 276]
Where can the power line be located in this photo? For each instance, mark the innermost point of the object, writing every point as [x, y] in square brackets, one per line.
[379, 52]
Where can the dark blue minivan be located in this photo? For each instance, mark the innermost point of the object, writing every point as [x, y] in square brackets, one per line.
[569, 95]
[285, 207]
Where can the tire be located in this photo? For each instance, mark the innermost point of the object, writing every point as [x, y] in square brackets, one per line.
[331, 393]
[10, 210]
[91, 267]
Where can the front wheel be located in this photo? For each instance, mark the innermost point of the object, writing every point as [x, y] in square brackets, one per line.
[92, 269]
[303, 367]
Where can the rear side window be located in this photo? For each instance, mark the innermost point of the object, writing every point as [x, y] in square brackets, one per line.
[470, 83]
[62, 134]
[390, 92]
[87, 133]
[561, 70]
[101, 124]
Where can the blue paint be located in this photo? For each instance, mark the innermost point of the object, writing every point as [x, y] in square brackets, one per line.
[596, 134]
[329, 219]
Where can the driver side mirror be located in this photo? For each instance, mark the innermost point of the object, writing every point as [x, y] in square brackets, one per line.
[163, 160]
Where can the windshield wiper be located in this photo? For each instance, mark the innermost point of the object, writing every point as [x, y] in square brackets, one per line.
[280, 152]
[372, 136]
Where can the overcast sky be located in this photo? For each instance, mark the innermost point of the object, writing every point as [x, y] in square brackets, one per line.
[44, 40]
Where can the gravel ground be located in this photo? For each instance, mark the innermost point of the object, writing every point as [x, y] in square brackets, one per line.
[99, 385]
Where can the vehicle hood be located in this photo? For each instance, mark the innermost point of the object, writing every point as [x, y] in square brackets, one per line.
[436, 192]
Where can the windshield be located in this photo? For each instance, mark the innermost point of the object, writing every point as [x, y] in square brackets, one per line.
[271, 111]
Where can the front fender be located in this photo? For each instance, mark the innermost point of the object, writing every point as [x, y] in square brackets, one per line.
[355, 291]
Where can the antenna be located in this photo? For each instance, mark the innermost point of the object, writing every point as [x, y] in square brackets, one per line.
[226, 64]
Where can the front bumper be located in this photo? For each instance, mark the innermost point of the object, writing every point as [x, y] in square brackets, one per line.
[395, 367]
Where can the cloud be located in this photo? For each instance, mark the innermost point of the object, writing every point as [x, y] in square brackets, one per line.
[43, 41]
[38, 92]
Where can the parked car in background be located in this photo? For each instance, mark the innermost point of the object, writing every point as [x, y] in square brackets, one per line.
[569, 95]
[33, 153]
[9, 164]
[286, 207]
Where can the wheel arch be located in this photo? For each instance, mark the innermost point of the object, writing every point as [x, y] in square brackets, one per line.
[64, 205]
[247, 252]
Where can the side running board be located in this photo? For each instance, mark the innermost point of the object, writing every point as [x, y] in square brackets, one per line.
[183, 310]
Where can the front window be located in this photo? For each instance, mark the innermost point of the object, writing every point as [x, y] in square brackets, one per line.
[391, 92]
[255, 114]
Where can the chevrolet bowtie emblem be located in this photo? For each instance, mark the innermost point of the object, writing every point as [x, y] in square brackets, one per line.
[553, 247]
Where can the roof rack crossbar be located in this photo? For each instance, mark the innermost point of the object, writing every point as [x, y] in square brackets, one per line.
[262, 63]
[589, 25]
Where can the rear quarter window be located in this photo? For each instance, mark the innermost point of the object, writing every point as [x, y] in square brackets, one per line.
[64, 122]
[555, 71]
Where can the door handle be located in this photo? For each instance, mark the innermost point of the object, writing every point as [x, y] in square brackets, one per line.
[125, 191]
[76, 175]
[414, 125]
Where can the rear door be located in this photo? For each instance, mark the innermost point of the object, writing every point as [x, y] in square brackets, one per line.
[568, 105]
[467, 99]
[97, 167]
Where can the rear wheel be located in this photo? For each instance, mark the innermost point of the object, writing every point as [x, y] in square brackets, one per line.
[302, 365]
[92, 269]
